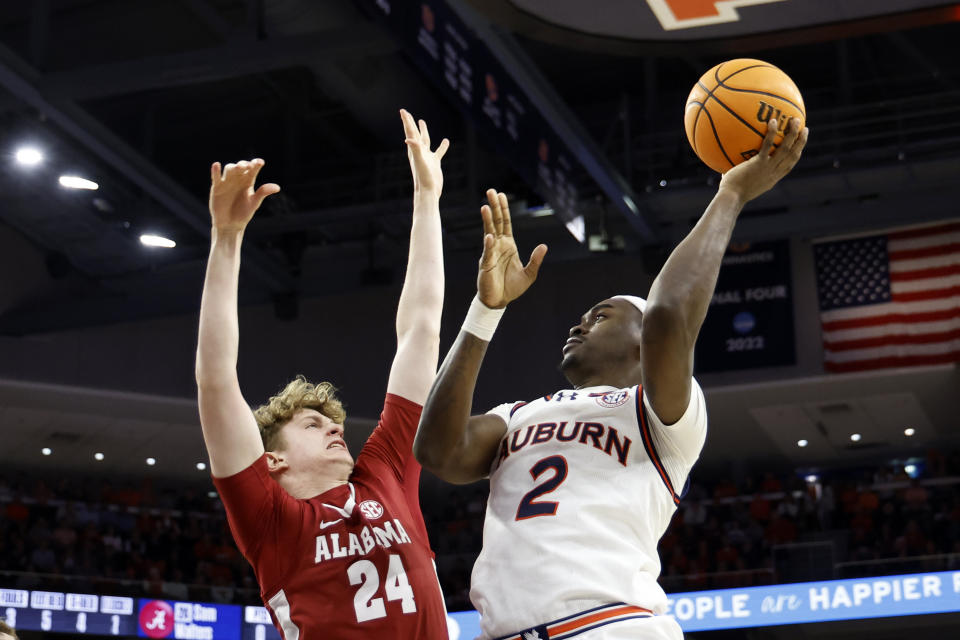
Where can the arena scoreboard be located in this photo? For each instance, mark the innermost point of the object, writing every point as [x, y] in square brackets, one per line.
[466, 71]
[102, 615]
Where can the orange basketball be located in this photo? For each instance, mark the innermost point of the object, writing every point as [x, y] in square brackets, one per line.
[728, 109]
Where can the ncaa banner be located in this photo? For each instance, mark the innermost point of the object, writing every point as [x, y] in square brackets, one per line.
[750, 321]
[696, 19]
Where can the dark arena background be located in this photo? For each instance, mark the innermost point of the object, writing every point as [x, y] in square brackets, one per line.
[826, 502]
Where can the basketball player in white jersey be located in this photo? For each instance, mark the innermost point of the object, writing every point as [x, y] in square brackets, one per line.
[584, 481]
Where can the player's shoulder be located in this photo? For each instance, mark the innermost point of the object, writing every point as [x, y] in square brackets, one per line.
[507, 410]
[603, 397]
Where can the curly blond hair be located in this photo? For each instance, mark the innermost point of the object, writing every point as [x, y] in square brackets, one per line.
[8, 630]
[298, 394]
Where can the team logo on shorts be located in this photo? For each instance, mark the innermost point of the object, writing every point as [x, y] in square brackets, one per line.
[371, 509]
[613, 399]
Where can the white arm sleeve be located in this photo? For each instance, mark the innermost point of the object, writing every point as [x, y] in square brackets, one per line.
[680, 443]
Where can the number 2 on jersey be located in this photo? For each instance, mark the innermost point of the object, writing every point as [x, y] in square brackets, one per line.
[528, 507]
[396, 587]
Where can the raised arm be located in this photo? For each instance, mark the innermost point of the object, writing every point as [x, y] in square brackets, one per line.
[680, 295]
[229, 429]
[450, 443]
[421, 300]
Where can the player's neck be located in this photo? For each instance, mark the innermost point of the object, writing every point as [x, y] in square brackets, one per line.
[304, 486]
[619, 379]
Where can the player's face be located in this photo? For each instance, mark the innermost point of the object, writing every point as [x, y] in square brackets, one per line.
[607, 334]
[313, 441]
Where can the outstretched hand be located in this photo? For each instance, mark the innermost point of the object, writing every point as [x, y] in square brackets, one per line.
[233, 201]
[424, 164]
[503, 278]
[760, 173]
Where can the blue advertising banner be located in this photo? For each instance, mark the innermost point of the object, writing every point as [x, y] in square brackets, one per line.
[463, 625]
[903, 595]
[187, 620]
[805, 602]
[750, 321]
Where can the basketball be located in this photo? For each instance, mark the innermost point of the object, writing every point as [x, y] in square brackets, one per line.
[727, 110]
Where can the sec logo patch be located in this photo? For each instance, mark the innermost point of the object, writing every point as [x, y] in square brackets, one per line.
[613, 399]
[371, 509]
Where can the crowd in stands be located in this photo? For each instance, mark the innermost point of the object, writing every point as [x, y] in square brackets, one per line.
[130, 539]
[119, 539]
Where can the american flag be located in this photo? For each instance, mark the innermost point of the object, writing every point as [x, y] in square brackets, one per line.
[890, 300]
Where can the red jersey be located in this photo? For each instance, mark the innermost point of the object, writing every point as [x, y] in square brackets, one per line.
[353, 562]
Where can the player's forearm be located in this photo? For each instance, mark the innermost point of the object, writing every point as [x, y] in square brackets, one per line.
[441, 437]
[219, 334]
[685, 285]
[421, 300]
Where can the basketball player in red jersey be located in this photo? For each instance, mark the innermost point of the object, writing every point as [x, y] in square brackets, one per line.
[575, 512]
[339, 548]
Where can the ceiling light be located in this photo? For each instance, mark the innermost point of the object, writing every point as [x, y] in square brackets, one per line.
[46, 451]
[76, 182]
[151, 461]
[29, 156]
[151, 240]
[211, 494]
[540, 212]
[201, 466]
[909, 431]
[663, 183]
[98, 456]
[577, 228]
[812, 478]
[802, 443]
[911, 470]
[855, 437]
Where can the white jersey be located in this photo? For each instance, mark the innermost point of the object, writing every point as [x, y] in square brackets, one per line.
[583, 487]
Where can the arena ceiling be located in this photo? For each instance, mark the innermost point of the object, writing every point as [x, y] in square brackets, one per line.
[141, 97]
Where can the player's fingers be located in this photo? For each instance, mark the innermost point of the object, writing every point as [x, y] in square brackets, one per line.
[768, 139]
[487, 215]
[791, 134]
[409, 126]
[442, 149]
[786, 155]
[800, 139]
[215, 172]
[487, 259]
[424, 133]
[243, 166]
[792, 157]
[505, 209]
[265, 190]
[536, 259]
[497, 214]
[254, 166]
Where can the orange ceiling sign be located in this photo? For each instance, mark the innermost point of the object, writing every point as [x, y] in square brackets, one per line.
[711, 19]
[684, 14]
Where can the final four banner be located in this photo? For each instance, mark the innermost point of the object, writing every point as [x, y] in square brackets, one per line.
[750, 321]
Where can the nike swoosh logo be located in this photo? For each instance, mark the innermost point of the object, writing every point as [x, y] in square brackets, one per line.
[324, 525]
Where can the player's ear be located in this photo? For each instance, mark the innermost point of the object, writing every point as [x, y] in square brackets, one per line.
[276, 463]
